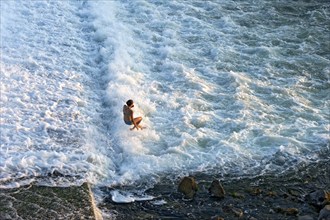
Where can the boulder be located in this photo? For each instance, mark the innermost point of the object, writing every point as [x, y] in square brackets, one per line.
[188, 187]
[216, 189]
[325, 213]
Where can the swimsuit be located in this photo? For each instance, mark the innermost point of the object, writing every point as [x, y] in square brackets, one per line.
[128, 122]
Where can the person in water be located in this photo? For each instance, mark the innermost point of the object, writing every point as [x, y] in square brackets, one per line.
[128, 116]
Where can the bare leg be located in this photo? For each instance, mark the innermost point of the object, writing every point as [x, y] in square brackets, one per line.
[137, 122]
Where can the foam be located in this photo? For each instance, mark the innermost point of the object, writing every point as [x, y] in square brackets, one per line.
[42, 95]
[124, 197]
[251, 114]
[224, 98]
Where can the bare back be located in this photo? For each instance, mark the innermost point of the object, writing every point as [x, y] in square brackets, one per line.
[127, 113]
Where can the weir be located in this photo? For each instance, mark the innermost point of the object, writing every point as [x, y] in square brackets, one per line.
[229, 89]
[43, 202]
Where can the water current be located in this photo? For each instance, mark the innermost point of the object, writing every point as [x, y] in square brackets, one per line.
[230, 87]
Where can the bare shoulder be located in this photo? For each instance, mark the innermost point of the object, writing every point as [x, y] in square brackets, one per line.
[127, 111]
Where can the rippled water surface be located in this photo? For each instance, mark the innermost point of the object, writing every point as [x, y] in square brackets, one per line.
[236, 87]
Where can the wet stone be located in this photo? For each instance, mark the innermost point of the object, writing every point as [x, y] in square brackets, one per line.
[188, 187]
[216, 189]
[287, 211]
[261, 197]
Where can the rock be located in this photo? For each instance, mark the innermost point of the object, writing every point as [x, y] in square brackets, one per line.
[291, 211]
[188, 187]
[287, 211]
[271, 194]
[325, 213]
[327, 197]
[305, 217]
[238, 212]
[256, 191]
[216, 189]
[279, 158]
[318, 198]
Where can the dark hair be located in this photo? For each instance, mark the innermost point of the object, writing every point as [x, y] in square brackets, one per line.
[129, 102]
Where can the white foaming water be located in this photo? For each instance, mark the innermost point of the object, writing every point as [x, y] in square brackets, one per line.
[45, 93]
[221, 86]
[214, 92]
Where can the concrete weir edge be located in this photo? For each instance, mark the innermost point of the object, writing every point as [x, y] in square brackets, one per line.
[47, 202]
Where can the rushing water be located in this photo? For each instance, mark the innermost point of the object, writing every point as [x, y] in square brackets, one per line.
[222, 86]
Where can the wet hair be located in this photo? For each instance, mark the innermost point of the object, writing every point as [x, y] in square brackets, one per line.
[129, 102]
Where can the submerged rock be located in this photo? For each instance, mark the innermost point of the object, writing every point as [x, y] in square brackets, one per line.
[318, 198]
[216, 189]
[325, 213]
[188, 187]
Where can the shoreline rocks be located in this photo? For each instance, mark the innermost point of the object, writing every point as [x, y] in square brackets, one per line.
[216, 189]
[188, 187]
[290, 196]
